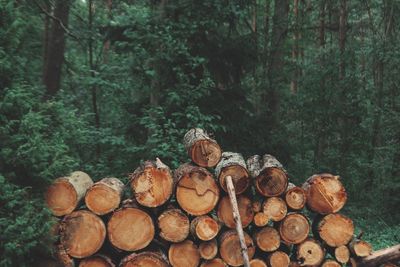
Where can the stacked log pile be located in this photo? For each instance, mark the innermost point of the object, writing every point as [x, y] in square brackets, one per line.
[185, 218]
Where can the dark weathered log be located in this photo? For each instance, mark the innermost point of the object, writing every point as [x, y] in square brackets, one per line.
[278, 259]
[341, 254]
[63, 196]
[184, 254]
[310, 253]
[267, 239]
[325, 193]
[152, 183]
[257, 263]
[174, 225]
[260, 219]
[225, 212]
[197, 192]
[144, 259]
[217, 262]
[208, 249]
[295, 197]
[294, 228]
[330, 263]
[97, 261]
[275, 208]
[230, 249]
[335, 229]
[360, 248]
[82, 233]
[130, 229]
[270, 177]
[232, 164]
[203, 150]
[104, 196]
[204, 227]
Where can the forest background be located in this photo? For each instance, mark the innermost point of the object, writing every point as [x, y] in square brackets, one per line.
[99, 86]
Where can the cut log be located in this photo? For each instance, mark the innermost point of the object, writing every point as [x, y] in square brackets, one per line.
[208, 249]
[144, 259]
[130, 229]
[331, 263]
[391, 254]
[335, 229]
[260, 219]
[174, 225]
[295, 197]
[184, 254]
[230, 249]
[152, 183]
[294, 228]
[82, 233]
[256, 205]
[225, 212]
[275, 208]
[310, 253]
[63, 196]
[360, 248]
[197, 192]
[278, 259]
[232, 164]
[268, 239]
[342, 254]
[97, 261]
[204, 227]
[270, 177]
[257, 263]
[325, 193]
[203, 150]
[214, 263]
[104, 196]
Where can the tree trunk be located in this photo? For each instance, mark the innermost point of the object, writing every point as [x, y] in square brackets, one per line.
[295, 197]
[208, 249]
[294, 228]
[56, 46]
[204, 227]
[64, 195]
[97, 261]
[295, 48]
[82, 233]
[391, 254]
[275, 208]
[104, 196]
[310, 253]
[267, 239]
[152, 183]
[144, 259]
[197, 192]
[230, 249]
[342, 38]
[203, 150]
[225, 211]
[278, 259]
[232, 164]
[334, 229]
[184, 254]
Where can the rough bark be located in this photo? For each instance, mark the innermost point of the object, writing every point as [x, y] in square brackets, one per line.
[233, 164]
[82, 233]
[310, 253]
[203, 150]
[294, 228]
[267, 239]
[97, 261]
[278, 259]
[295, 197]
[144, 259]
[173, 225]
[275, 208]
[197, 192]
[230, 249]
[152, 183]
[204, 227]
[104, 196]
[184, 254]
[335, 229]
[225, 211]
[64, 195]
[208, 249]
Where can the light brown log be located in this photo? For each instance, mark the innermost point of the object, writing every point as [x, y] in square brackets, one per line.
[104, 196]
[260, 219]
[330, 263]
[294, 228]
[270, 177]
[230, 249]
[63, 196]
[217, 262]
[225, 212]
[203, 150]
[275, 208]
[152, 183]
[278, 259]
[130, 229]
[310, 253]
[267, 239]
[82, 233]
[174, 225]
[391, 254]
[232, 164]
[342, 254]
[295, 197]
[360, 248]
[208, 249]
[204, 227]
[335, 229]
[97, 261]
[144, 259]
[257, 263]
[325, 193]
[184, 254]
[197, 192]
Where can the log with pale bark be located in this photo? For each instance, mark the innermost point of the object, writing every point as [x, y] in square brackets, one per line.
[233, 164]
[386, 255]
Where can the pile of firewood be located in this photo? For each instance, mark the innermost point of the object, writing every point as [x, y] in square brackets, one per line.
[185, 218]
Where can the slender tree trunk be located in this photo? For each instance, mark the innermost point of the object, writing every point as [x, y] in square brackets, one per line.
[55, 48]
[46, 37]
[342, 38]
[107, 43]
[295, 47]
